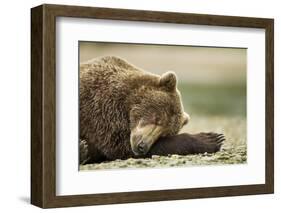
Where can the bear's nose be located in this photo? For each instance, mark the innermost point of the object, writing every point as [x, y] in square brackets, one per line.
[142, 147]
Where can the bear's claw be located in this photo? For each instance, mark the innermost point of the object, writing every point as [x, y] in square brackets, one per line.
[83, 152]
[209, 142]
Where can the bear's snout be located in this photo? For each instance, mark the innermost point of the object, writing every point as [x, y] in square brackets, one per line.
[143, 137]
[142, 148]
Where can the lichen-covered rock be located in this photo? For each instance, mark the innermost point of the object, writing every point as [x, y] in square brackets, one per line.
[234, 150]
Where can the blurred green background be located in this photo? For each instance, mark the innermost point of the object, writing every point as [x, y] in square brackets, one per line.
[212, 80]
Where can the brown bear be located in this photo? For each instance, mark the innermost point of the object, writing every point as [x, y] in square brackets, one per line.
[124, 110]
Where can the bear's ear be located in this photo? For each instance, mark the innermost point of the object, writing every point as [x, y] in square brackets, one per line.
[169, 80]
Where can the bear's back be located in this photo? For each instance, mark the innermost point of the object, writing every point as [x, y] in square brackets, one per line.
[109, 67]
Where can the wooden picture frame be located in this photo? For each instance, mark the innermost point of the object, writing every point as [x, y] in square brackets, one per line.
[43, 105]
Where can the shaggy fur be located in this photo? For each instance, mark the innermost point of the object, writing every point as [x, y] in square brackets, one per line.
[115, 97]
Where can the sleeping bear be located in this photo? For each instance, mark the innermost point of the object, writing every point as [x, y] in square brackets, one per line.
[128, 112]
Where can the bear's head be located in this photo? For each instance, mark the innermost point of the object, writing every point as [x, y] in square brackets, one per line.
[158, 113]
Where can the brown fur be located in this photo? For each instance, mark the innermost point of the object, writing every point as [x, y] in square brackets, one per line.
[115, 97]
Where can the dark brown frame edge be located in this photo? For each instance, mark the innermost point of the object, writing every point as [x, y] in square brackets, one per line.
[43, 105]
